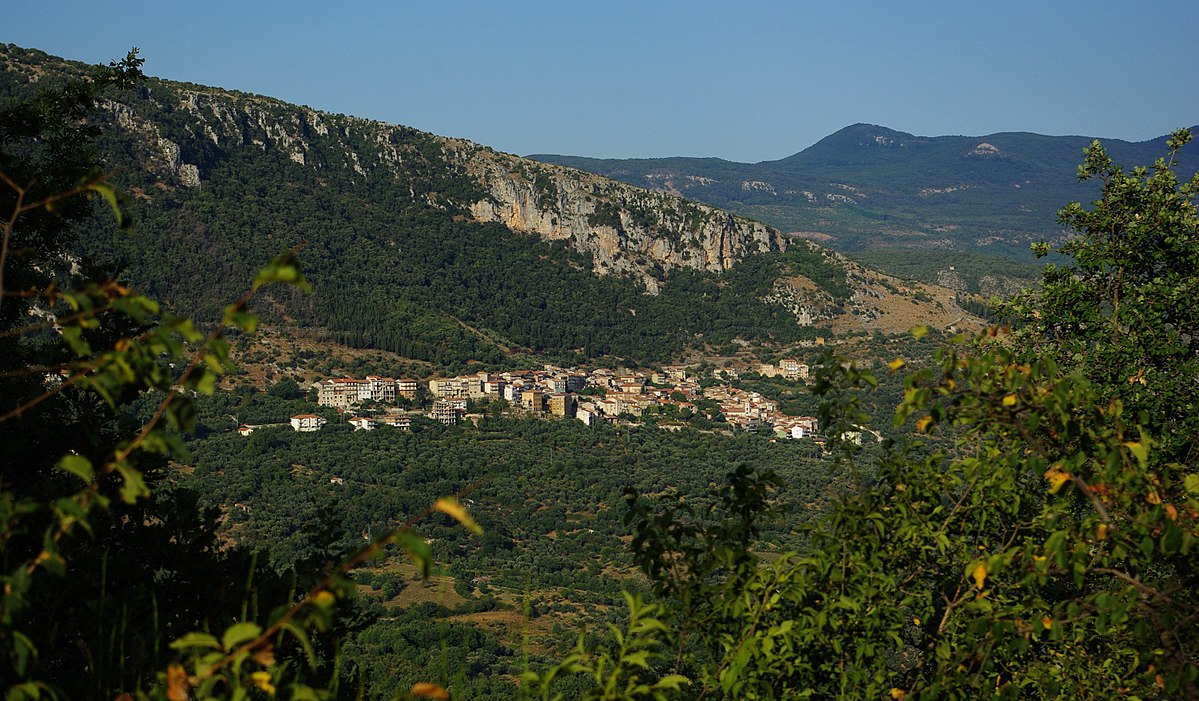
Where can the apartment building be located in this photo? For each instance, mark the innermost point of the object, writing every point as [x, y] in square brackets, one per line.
[306, 423]
[563, 405]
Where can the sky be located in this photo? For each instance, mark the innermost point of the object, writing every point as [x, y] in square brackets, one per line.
[746, 81]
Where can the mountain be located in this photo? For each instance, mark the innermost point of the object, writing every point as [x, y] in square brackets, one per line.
[869, 187]
[438, 248]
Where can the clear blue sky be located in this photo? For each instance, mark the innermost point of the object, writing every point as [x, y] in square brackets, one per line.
[743, 80]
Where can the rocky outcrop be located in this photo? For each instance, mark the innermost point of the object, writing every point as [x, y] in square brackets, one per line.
[804, 300]
[624, 228]
[161, 155]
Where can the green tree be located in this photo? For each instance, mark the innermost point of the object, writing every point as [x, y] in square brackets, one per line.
[1122, 311]
[1047, 552]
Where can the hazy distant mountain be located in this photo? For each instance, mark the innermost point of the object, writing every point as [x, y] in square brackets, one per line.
[867, 186]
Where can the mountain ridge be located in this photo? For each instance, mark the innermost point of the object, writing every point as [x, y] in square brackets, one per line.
[608, 221]
[436, 248]
[868, 186]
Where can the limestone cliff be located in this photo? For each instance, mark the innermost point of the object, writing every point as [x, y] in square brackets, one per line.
[623, 228]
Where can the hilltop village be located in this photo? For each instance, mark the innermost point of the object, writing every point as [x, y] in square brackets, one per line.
[593, 396]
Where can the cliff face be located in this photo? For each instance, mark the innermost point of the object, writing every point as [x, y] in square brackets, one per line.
[178, 134]
[623, 228]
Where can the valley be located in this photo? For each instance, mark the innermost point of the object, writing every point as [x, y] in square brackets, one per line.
[340, 408]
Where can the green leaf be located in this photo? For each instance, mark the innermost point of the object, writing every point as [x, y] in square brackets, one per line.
[417, 549]
[300, 692]
[239, 633]
[206, 384]
[1139, 450]
[73, 335]
[134, 485]
[23, 651]
[79, 466]
[112, 197]
[283, 270]
[235, 316]
[302, 637]
[672, 681]
[192, 640]
[638, 659]
[1171, 539]
[453, 508]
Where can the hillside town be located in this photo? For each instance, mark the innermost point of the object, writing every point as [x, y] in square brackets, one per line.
[591, 396]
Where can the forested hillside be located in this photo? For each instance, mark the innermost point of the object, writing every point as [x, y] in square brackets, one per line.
[222, 182]
[434, 248]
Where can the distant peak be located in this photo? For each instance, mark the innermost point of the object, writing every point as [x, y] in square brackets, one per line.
[874, 129]
[860, 137]
[870, 135]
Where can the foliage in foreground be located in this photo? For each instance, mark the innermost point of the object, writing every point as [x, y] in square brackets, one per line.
[107, 588]
[1049, 553]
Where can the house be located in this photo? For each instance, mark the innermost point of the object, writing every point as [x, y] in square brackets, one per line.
[563, 405]
[446, 411]
[442, 387]
[854, 437]
[382, 389]
[533, 400]
[474, 385]
[678, 373]
[362, 423]
[342, 392]
[575, 382]
[245, 430]
[793, 369]
[631, 404]
[463, 386]
[400, 421]
[406, 388]
[306, 423]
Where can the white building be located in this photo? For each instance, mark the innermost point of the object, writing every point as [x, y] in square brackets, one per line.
[306, 422]
[362, 423]
[793, 369]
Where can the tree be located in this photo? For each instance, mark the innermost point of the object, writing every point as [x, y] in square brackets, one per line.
[1048, 554]
[1122, 313]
